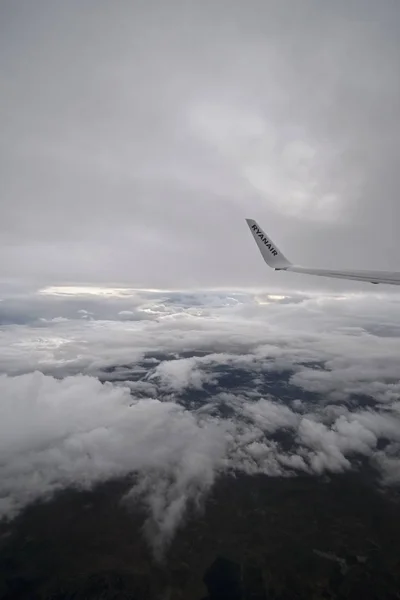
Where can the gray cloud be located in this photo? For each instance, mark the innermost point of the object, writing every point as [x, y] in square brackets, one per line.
[136, 138]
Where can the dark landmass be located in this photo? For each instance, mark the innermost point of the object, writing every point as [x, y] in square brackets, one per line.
[257, 538]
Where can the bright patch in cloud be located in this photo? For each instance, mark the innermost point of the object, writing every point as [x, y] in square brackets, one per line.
[288, 171]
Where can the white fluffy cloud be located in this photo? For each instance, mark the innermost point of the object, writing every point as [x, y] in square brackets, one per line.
[77, 431]
[177, 375]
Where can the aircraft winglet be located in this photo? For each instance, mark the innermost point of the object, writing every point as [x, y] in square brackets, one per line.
[275, 259]
[270, 252]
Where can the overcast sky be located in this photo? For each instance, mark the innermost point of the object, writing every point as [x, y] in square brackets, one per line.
[137, 136]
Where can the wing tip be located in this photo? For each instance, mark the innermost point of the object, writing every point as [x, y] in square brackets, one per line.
[269, 251]
[250, 222]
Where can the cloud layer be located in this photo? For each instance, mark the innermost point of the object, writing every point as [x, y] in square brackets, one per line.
[193, 385]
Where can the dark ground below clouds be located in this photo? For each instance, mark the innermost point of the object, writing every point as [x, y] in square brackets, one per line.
[226, 378]
[257, 538]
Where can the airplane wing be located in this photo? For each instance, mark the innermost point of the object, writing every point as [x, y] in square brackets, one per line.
[275, 259]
